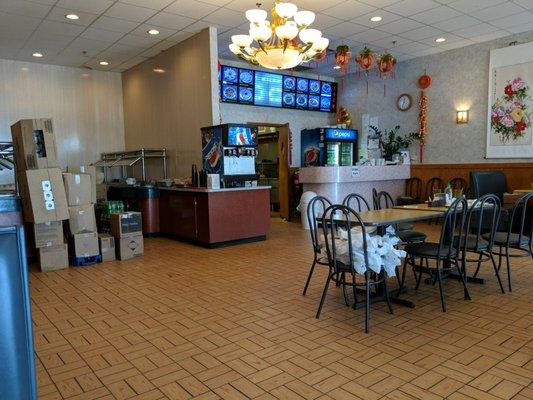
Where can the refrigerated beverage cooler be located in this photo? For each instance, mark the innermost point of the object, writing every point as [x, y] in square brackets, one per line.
[329, 146]
[230, 151]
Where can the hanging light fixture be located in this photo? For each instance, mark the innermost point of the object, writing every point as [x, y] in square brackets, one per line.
[284, 43]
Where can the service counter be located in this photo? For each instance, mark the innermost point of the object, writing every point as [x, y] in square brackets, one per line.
[335, 183]
[215, 217]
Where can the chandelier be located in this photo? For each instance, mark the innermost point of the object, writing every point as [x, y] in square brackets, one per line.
[284, 43]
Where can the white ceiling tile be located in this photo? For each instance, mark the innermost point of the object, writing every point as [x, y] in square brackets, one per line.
[92, 6]
[409, 7]
[370, 35]
[17, 21]
[521, 18]
[467, 6]
[129, 12]
[219, 3]
[498, 11]
[226, 17]
[451, 25]
[457, 44]
[390, 42]
[344, 29]
[379, 3]
[45, 2]
[138, 41]
[191, 8]
[319, 5]
[450, 38]
[13, 39]
[132, 62]
[114, 24]
[201, 25]
[158, 48]
[59, 28]
[401, 25]
[8, 52]
[101, 35]
[349, 10]
[70, 59]
[388, 17]
[527, 4]
[178, 37]
[91, 46]
[323, 21]
[411, 48]
[435, 15]
[475, 30]
[490, 36]
[521, 28]
[142, 30]
[170, 21]
[58, 14]
[244, 5]
[154, 4]
[25, 8]
[422, 33]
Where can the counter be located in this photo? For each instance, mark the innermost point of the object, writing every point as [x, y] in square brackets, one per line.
[215, 217]
[335, 183]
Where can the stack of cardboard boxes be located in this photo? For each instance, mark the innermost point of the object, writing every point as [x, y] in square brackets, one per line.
[126, 227]
[41, 187]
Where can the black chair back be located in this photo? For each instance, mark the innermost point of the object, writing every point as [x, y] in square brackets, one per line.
[453, 224]
[433, 183]
[517, 220]
[383, 200]
[485, 182]
[338, 217]
[413, 188]
[316, 207]
[459, 183]
[483, 215]
[374, 198]
[356, 202]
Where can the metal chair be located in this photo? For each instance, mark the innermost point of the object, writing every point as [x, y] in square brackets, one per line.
[443, 253]
[331, 223]
[516, 240]
[413, 192]
[359, 200]
[375, 199]
[316, 207]
[484, 212]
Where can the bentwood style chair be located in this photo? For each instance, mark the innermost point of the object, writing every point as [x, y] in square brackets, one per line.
[483, 214]
[444, 253]
[316, 207]
[356, 202]
[515, 237]
[460, 183]
[433, 183]
[337, 217]
[413, 192]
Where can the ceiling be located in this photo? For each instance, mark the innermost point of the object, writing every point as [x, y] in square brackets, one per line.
[116, 30]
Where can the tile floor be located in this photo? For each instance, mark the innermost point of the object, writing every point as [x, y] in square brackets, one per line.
[184, 322]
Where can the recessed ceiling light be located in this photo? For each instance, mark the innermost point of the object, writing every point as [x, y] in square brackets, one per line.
[104, 63]
[337, 67]
[38, 55]
[376, 18]
[153, 32]
[159, 70]
[440, 40]
[72, 16]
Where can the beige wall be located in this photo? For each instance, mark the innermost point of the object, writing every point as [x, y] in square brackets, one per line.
[85, 105]
[168, 109]
[460, 78]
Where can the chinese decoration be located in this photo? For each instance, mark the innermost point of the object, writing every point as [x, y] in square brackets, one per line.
[342, 57]
[344, 117]
[424, 82]
[366, 60]
[386, 65]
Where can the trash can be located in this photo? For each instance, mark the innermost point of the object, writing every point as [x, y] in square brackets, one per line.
[302, 207]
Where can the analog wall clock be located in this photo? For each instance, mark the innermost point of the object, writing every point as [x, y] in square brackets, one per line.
[404, 102]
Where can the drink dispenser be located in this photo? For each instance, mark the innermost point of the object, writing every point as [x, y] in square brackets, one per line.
[230, 151]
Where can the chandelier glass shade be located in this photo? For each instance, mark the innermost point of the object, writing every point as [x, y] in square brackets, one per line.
[282, 43]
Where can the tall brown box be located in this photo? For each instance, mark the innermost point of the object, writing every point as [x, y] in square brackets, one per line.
[107, 246]
[89, 170]
[129, 247]
[48, 234]
[52, 258]
[81, 219]
[84, 244]
[78, 189]
[43, 195]
[34, 144]
[126, 224]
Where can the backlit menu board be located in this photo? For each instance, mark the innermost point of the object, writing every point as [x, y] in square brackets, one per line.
[246, 86]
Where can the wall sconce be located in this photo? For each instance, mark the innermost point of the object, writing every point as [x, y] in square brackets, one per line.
[462, 117]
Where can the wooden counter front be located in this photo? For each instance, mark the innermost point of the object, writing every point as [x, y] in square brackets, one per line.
[215, 217]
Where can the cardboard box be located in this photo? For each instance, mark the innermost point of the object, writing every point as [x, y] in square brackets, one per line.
[101, 192]
[81, 219]
[89, 170]
[52, 258]
[107, 246]
[43, 195]
[48, 234]
[34, 144]
[78, 189]
[84, 244]
[126, 224]
[130, 247]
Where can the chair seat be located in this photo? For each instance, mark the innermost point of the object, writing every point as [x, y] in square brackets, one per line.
[471, 243]
[411, 236]
[406, 200]
[428, 250]
[405, 227]
[500, 239]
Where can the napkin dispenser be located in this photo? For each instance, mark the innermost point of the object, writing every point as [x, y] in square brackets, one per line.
[213, 181]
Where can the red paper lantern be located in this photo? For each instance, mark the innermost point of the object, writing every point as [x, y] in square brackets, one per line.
[342, 56]
[366, 59]
[424, 82]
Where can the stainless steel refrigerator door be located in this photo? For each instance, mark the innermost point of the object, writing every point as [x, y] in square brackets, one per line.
[17, 372]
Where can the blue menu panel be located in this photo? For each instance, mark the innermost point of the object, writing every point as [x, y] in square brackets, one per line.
[268, 88]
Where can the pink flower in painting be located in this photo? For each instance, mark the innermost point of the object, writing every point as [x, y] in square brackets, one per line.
[516, 105]
[518, 84]
[507, 121]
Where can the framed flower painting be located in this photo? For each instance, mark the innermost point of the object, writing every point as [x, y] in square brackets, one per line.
[510, 114]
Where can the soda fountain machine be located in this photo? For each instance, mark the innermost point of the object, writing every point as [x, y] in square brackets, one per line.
[230, 151]
[329, 146]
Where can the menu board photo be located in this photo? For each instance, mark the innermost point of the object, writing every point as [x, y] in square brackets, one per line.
[267, 89]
